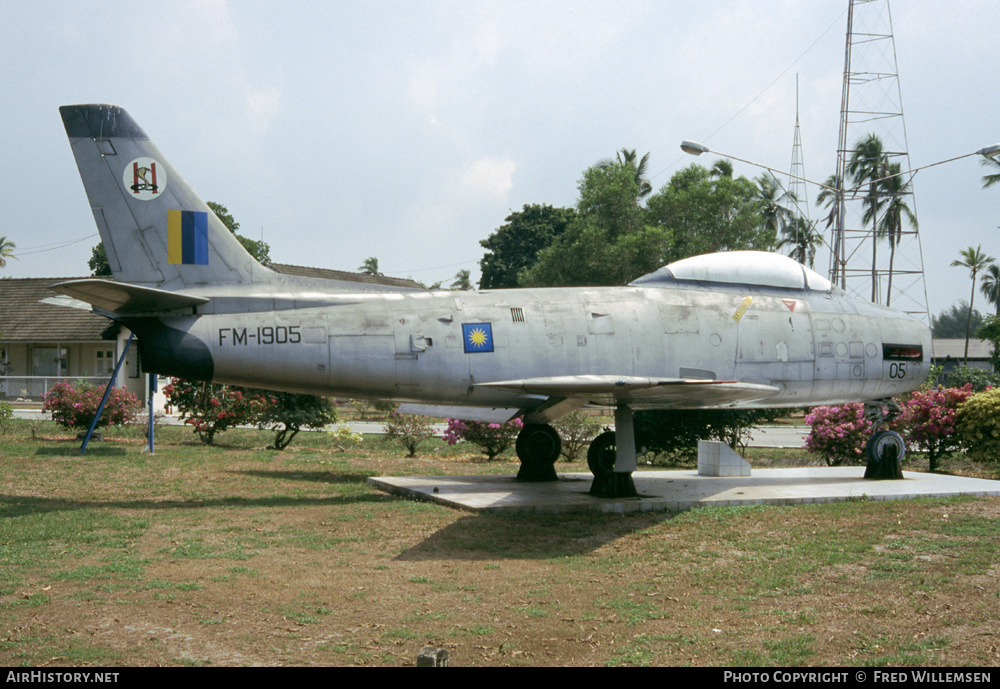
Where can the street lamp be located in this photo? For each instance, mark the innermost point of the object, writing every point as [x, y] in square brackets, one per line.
[696, 149]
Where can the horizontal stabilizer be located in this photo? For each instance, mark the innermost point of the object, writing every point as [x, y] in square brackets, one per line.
[125, 299]
[669, 393]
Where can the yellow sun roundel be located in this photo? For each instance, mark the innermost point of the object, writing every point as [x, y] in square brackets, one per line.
[477, 337]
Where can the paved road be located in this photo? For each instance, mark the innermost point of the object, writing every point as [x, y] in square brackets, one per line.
[766, 436]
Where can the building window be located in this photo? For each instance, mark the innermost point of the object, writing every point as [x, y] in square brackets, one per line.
[105, 362]
[49, 361]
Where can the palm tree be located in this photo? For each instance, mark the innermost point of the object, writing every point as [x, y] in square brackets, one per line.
[6, 251]
[626, 157]
[868, 164]
[773, 197]
[462, 281]
[975, 260]
[830, 197]
[895, 189]
[802, 237]
[990, 285]
[369, 267]
[990, 180]
[722, 168]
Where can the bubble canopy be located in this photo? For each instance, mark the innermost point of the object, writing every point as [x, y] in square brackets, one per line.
[741, 267]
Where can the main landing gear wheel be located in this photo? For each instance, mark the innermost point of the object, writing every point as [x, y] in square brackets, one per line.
[601, 460]
[538, 446]
[885, 450]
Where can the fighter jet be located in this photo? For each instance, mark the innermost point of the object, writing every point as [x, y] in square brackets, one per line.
[728, 330]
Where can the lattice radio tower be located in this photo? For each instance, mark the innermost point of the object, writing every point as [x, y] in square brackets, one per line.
[796, 180]
[876, 249]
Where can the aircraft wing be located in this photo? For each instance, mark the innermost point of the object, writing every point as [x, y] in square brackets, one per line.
[641, 392]
[124, 299]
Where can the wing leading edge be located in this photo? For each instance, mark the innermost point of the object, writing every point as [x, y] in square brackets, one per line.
[641, 392]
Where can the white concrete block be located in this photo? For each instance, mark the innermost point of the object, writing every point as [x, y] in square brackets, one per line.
[718, 459]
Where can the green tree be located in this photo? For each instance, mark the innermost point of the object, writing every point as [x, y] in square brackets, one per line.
[259, 249]
[951, 322]
[6, 251]
[975, 260]
[608, 242]
[369, 267]
[803, 239]
[514, 246]
[705, 214]
[98, 263]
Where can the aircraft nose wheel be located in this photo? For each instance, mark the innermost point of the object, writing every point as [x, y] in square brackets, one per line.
[538, 446]
[885, 450]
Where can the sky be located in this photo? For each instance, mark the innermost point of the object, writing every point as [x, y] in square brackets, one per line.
[409, 130]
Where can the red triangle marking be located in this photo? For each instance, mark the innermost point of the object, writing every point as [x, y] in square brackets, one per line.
[790, 303]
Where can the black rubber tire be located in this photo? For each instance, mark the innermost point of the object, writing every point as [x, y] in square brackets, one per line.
[601, 454]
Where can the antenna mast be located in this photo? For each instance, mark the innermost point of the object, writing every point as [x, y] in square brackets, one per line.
[875, 255]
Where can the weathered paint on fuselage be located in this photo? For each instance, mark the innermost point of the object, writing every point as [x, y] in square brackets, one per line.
[816, 347]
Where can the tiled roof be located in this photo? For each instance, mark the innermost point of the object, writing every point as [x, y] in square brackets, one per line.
[955, 348]
[328, 274]
[24, 319]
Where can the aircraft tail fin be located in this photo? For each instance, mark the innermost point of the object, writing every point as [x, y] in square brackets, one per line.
[156, 230]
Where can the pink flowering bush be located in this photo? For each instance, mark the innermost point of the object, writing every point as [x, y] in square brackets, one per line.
[492, 438]
[74, 406]
[839, 434]
[929, 420]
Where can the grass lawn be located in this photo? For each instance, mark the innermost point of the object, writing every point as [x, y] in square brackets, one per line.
[237, 555]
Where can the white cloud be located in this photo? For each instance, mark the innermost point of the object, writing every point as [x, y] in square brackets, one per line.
[488, 177]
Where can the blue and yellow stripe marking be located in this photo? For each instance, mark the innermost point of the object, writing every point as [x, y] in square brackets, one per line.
[478, 337]
[187, 238]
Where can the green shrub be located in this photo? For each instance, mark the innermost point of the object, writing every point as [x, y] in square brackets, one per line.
[978, 378]
[286, 413]
[577, 429]
[673, 434]
[6, 414]
[979, 426]
[409, 429]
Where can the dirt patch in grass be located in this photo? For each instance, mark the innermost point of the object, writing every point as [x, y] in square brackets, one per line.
[242, 556]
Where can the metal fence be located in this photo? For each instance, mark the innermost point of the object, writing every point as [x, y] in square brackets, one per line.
[34, 388]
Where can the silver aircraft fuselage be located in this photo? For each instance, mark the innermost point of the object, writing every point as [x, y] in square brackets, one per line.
[813, 346]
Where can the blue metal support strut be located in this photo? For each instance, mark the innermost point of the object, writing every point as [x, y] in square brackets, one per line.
[107, 391]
